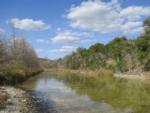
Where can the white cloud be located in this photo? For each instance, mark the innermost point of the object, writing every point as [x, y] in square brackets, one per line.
[64, 50]
[95, 15]
[44, 41]
[132, 27]
[66, 38]
[70, 41]
[135, 12]
[29, 24]
[2, 30]
[39, 50]
[106, 17]
[69, 37]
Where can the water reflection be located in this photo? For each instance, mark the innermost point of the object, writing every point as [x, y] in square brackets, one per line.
[71, 96]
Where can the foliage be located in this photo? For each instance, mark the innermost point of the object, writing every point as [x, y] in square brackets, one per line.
[121, 54]
[147, 26]
[18, 60]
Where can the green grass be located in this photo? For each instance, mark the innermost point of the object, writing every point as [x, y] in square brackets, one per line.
[13, 74]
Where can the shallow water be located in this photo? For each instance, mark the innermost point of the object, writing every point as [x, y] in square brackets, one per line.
[61, 96]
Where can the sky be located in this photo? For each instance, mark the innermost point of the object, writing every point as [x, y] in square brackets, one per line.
[56, 28]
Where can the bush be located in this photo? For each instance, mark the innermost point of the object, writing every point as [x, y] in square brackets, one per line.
[13, 75]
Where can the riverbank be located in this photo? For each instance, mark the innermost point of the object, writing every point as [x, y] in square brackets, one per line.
[14, 100]
[102, 72]
[130, 76]
[82, 72]
[136, 76]
[10, 75]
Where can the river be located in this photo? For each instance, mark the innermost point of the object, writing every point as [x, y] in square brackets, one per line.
[70, 96]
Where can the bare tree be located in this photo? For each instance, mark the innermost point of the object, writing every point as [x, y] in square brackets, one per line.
[3, 50]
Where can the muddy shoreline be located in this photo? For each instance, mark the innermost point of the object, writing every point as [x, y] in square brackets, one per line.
[15, 100]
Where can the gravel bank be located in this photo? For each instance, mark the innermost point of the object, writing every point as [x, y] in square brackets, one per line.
[13, 100]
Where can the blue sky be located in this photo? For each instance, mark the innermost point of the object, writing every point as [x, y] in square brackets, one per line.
[55, 28]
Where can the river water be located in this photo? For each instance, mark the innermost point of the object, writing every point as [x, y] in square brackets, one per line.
[58, 96]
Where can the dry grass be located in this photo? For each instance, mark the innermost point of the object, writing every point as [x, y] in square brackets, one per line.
[83, 72]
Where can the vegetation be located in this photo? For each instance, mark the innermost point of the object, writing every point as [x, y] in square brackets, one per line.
[88, 71]
[103, 87]
[121, 55]
[18, 60]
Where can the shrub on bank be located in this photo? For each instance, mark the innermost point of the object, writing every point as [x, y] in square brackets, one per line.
[13, 75]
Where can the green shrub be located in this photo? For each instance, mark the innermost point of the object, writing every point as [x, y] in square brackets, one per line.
[12, 75]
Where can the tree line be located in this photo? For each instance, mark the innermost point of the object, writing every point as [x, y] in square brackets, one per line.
[121, 54]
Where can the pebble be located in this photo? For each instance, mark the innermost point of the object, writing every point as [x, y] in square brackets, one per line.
[18, 102]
